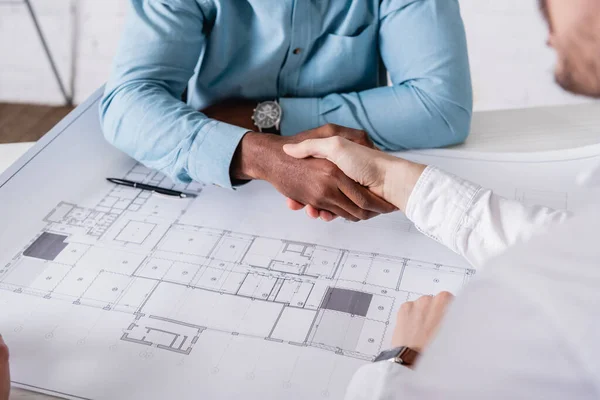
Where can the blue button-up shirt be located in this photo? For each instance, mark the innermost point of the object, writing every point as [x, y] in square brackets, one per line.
[325, 60]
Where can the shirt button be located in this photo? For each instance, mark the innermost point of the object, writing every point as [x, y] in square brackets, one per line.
[297, 50]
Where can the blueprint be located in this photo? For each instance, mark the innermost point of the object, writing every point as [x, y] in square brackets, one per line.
[109, 292]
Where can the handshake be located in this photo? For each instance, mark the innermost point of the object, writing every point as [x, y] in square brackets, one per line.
[331, 171]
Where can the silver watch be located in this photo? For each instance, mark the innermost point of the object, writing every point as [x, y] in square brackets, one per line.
[267, 115]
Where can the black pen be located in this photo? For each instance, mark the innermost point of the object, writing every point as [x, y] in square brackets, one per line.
[156, 189]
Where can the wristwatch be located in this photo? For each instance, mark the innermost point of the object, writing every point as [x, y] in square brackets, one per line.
[400, 355]
[267, 116]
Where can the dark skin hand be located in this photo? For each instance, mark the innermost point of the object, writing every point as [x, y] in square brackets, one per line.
[308, 181]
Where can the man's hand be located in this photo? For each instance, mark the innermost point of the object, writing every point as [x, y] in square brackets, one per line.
[4, 371]
[234, 112]
[307, 181]
[418, 321]
[387, 176]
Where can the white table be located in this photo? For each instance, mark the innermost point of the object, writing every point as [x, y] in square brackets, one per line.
[537, 129]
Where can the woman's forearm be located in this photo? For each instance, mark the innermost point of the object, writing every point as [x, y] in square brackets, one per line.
[401, 177]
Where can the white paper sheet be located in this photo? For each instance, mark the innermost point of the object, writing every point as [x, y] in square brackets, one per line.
[110, 293]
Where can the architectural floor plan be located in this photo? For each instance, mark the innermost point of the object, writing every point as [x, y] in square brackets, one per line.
[128, 255]
[109, 292]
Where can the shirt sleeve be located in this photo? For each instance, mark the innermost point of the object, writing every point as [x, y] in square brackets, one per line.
[470, 220]
[141, 111]
[423, 46]
[377, 381]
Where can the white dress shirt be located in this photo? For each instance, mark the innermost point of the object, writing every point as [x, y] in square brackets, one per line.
[529, 326]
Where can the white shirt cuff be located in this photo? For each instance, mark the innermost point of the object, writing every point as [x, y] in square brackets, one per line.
[439, 203]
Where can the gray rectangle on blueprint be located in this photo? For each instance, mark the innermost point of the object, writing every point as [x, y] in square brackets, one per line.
[348, 301]
[46, 247]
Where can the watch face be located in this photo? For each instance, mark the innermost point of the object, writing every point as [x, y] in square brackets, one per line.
[267, 114]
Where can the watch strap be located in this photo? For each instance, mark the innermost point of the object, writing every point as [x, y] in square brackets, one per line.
[400, 355]
[272, 130]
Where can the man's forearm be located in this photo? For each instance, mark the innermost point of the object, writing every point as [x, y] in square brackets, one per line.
[142, 112]
[425, 120]
[159, 130]
[253, 156]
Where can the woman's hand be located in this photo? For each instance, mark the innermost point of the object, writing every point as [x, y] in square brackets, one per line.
[387, 176]
[418, 321]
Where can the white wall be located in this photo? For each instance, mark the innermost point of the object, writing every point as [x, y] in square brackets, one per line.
[510, 64]
[84, 31]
